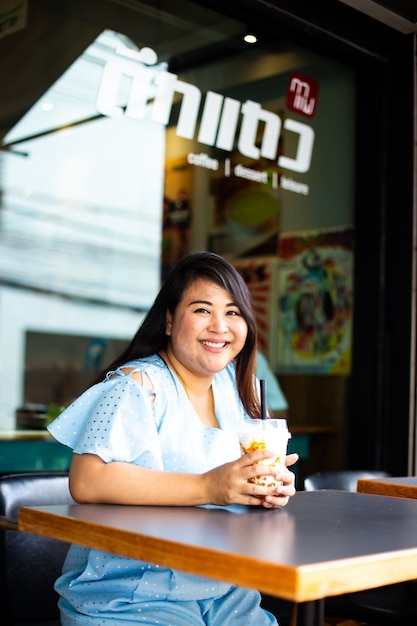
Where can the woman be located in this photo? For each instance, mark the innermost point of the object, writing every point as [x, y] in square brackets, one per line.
[159, 428]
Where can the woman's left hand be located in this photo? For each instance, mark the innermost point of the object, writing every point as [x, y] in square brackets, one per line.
[285, 489]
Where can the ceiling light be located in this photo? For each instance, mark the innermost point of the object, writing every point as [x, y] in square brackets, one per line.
[47, 106]
[250, 38]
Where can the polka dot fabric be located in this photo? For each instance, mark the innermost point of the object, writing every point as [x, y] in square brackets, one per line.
[116, 420]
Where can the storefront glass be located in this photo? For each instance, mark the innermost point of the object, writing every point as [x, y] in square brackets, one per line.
[135, 132]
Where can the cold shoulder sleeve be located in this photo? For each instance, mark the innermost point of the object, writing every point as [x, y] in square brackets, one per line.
[114, 420]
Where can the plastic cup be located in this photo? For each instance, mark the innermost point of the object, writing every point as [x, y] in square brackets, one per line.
[265, 434]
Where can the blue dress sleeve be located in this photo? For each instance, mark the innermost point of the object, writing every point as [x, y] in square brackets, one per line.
[114, 420]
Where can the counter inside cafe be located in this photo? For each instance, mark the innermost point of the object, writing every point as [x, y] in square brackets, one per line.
[29, 447]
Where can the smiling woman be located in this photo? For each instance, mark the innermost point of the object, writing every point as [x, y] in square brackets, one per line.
[206, 333]
[160, 428]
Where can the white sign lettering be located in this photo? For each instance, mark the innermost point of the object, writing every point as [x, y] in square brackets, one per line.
[151, 96]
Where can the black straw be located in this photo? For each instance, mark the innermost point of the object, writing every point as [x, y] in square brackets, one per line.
[263, 399]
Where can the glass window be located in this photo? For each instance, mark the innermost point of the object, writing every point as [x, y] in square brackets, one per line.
[133, 133]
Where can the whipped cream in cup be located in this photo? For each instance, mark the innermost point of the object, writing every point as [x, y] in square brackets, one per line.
[265, 434]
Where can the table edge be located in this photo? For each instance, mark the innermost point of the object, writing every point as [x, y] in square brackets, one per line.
[389, 489]
[296, 583]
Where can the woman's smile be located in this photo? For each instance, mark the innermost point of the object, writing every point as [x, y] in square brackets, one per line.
[214, 344]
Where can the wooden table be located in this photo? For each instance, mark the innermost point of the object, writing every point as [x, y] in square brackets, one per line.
[400, 486]
[323, 543]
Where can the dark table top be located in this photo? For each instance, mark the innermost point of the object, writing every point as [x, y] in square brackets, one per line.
[323, 543]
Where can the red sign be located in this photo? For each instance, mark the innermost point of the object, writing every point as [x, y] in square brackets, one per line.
[302, 94]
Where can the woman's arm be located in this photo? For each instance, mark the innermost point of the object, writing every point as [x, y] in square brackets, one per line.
[92, 480]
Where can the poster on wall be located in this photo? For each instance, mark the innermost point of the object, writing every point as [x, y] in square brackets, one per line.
[260, 275]
[315, 284]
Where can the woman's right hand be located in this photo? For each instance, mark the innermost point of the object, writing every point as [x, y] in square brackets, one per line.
[229, 483]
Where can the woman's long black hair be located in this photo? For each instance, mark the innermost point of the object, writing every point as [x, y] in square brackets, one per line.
[151, 337]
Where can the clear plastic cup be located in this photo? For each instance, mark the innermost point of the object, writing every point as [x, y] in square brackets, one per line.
[268, 434]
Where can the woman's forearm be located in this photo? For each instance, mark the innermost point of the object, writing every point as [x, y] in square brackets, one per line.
[94, 481]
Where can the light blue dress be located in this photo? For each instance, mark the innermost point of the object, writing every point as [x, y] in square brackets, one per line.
[115, 420]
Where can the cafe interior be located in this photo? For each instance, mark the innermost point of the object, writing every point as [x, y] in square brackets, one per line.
[134, 132]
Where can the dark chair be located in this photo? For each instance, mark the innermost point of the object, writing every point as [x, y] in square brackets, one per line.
[345, 480]
[392, 605]
[30, 564]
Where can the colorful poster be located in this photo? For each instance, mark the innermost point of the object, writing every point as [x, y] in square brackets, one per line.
[315, 287]
[260, 275]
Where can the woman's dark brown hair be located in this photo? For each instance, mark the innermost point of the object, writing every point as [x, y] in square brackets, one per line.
[151, 337]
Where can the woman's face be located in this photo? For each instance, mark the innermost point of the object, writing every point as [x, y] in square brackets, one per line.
[207, 330]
